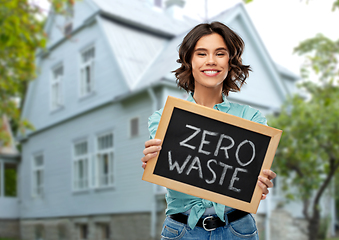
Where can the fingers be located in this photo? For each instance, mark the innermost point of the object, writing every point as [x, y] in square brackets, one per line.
[264, 182]
[152, 148]
[269, 173]
[152, 142]
[150, 155]
[263, 186]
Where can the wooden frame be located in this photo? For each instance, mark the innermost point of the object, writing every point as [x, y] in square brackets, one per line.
[272, 133]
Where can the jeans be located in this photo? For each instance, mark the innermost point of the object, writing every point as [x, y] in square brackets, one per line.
[243, 228]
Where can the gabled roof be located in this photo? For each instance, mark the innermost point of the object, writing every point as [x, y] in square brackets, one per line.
[134, 12]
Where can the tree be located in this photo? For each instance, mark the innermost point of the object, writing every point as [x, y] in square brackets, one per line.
[308, 153]
[21, 36]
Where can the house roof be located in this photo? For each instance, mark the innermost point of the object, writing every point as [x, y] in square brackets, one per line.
[136, 13]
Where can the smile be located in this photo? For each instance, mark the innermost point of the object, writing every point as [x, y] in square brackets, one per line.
[211, 72]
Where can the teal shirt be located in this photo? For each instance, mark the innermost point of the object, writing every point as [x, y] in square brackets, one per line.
[178, 202]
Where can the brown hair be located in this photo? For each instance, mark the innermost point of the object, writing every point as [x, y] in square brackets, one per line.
[238, 72]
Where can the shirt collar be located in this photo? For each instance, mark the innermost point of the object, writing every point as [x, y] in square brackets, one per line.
[224, 106]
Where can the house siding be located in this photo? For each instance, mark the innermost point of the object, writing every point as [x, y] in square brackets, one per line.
[59, 198]
[108, 81]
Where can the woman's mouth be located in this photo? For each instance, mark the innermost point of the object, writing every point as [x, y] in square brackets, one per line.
[211, 73]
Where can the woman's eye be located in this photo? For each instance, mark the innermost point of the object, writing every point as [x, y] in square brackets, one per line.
[201, 54]
[220, 54]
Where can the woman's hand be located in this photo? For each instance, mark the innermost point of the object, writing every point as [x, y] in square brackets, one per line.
[265, 182]
[152, 148]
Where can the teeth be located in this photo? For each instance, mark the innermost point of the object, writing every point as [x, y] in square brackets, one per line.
[210, 72]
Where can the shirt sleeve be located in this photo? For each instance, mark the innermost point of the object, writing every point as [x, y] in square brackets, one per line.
[254, 115]
[258, 117]
[153, 122]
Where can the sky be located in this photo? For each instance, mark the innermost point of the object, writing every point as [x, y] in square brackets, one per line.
[281, 24]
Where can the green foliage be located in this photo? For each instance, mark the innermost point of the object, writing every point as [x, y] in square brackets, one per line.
[309, 146]
[21, 35]
[335, 5]
[321, 59]
[308, 153]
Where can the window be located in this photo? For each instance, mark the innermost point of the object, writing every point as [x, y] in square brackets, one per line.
[39, 232]
[10, 180]
[56, 96]
[80, 166]
[104, 160]
[103, 231]
[158, 3]
[87, 69]
[83, 231]
[68, 29]
[134, 127]
[69, 13]
[38, 175]
[62, 232]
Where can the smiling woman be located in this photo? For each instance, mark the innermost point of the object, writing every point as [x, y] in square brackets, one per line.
[212, 50]
[211, 67]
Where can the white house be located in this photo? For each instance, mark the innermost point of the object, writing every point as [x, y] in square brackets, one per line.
[107, 68]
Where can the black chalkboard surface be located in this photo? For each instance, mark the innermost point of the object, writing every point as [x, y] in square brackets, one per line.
[212, 155]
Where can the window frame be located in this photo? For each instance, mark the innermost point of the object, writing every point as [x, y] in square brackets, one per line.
[39, 230]
[159, 3]
[56, 102]
[111, 162]
[69, 15]
[103, 230]
[130, 127]
[83, 229]
[83, 87]
[76, 159]
[34, 170]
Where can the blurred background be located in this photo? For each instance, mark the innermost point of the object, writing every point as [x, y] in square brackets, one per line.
[79, 79]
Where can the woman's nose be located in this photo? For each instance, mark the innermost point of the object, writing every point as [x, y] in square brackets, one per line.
[210, 60]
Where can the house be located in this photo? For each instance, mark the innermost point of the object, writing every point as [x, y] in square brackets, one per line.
[107, 68]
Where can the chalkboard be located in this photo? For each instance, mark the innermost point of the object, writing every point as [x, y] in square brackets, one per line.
[211, 154]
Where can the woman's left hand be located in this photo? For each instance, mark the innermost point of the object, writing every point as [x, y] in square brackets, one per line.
[265, 182]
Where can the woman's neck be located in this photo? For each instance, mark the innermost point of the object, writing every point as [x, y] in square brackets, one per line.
[207, 97]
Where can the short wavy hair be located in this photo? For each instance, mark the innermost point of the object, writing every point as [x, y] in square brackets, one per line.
[238, 72]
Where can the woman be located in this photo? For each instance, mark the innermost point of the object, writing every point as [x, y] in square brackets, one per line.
[211, 67]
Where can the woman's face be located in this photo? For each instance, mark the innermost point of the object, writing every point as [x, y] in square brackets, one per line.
[210, 62]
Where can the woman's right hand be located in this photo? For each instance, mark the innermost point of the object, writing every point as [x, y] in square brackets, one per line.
[152, 148]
